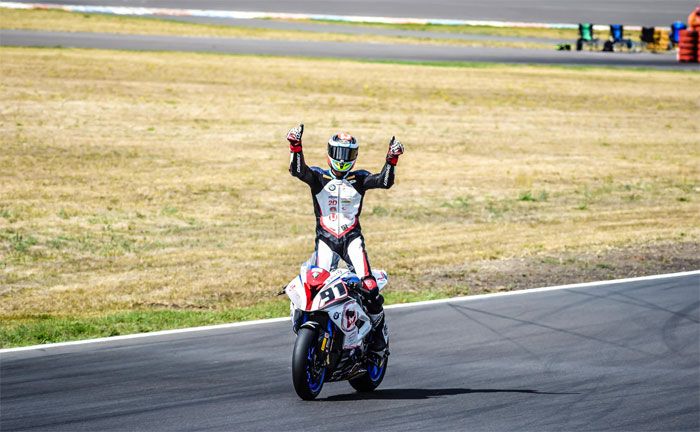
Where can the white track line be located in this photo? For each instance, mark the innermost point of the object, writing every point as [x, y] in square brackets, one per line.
[394, 306]
[144, 11]
[142, 335]
[544, 289]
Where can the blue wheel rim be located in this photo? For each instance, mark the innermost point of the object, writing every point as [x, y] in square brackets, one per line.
[314, 384]
[375, 372]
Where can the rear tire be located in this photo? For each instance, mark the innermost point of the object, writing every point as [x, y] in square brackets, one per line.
[306, 375]
[371, 380]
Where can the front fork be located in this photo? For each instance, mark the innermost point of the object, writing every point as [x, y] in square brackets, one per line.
[323, 325]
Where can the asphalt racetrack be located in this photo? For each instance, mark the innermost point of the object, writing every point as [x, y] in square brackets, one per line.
[370, 51]
[622, 356]
[631, 12]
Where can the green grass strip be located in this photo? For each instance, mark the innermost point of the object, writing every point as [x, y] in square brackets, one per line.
[42, 329]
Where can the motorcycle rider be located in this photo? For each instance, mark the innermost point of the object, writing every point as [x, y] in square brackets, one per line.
[337, 195]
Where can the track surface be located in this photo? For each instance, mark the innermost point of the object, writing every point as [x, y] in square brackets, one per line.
[613, 357]
[637, 12]
[335, 49]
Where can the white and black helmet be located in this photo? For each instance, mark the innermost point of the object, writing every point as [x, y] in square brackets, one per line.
[342, 152]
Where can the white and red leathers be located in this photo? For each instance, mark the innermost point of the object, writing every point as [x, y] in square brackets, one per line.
[337, 206]
[337, 198]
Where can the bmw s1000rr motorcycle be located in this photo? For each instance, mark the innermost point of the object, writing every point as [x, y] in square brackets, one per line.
[333, 331]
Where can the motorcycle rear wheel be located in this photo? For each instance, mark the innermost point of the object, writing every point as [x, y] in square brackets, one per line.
[371, 380]
[307, 376]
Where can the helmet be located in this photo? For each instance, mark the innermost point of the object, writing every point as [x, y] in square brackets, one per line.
[342, 152]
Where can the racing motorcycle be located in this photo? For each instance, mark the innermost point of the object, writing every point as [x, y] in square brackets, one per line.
[333, 330]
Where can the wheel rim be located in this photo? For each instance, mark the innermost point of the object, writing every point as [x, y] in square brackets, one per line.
[314, 375]
[375, 372]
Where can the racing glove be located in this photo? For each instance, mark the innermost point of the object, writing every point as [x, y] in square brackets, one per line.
[395, 150]
[294, 138]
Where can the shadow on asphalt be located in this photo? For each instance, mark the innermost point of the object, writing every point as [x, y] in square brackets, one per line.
[428, 393]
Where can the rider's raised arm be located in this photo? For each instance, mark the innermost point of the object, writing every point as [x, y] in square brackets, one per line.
[381, 180]
[299, 169]
[297, 165]
[385, 178]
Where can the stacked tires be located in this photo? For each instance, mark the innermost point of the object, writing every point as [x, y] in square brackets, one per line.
[688, 46]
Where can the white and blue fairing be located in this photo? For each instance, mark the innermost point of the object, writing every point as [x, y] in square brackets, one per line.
[343, 310]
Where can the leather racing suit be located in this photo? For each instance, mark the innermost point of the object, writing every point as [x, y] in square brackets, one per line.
[337, 206]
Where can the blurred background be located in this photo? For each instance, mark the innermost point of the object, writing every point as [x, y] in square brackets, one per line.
[144, 179]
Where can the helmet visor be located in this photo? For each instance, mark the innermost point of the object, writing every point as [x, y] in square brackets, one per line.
[339, 153]
[341, 166]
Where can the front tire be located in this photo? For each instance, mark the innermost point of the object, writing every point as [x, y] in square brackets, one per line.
[307, 373]
[374, 376]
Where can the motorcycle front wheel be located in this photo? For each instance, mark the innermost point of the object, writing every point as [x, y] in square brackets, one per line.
[307, 372]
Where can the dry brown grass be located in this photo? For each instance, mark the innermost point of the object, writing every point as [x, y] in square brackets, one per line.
[523, 32]
[159, 180]
[56, 20]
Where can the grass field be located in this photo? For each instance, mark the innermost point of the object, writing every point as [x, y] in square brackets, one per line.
[525, 32]
[56, 20]
[142, 191]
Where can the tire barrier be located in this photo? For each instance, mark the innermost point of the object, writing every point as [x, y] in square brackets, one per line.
[676, 28]
[688, 50]
[655, 39]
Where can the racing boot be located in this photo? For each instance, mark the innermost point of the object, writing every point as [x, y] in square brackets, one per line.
[379, 334]
[373, 303]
